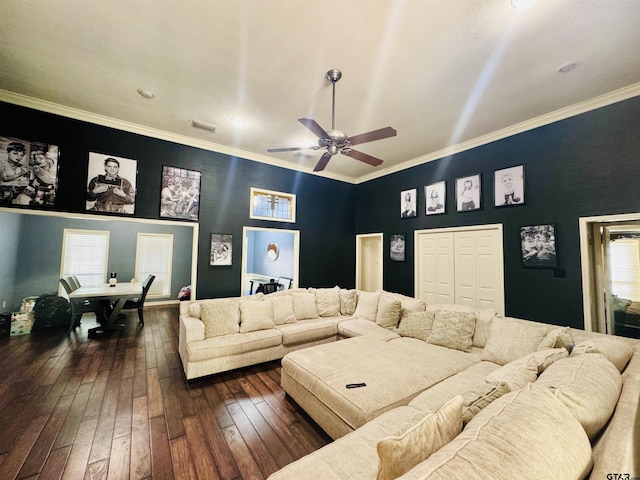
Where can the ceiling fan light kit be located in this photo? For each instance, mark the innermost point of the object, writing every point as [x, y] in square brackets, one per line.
[336, 141]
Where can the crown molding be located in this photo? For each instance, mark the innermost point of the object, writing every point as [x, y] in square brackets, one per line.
[615, 96]
[85, 116]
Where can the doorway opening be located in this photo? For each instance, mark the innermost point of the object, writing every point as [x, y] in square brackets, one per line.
[610, 255]
[269, 255]
[369, 262]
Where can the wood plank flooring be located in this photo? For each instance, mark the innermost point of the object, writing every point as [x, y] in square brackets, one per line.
[119, 407]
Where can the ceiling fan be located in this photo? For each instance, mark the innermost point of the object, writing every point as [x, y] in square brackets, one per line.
[337, 141]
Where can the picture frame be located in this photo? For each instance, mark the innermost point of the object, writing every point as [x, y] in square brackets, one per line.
[31, 172]
[508, 186]
[408, 200]
[538, 246]
[397, 247]
[221, 252]
[469, 193]
[111, 184]
[436, 198]
[180, 193]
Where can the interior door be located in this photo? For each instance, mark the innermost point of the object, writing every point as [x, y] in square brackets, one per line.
[435, 258]
[369, 262]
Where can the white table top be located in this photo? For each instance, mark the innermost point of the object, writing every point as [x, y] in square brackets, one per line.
[106, 290]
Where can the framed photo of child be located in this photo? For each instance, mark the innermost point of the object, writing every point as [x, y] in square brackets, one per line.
[508, 186]
[468, 195]
[435, 198]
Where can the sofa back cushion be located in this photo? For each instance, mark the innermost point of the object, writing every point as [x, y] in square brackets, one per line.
[453, 329]
[367, 307]
[283, 309]
[616, 350]
[512, 338]
[415, 324]
[502, 442]
[304, 306]
[327, 301]
[406, 302]
[589, 385]
[399, 454]
[220, 316]
[255, 315]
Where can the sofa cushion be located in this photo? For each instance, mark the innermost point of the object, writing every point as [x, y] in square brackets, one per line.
[304, 306]
[367, 307]
[526, 369]
[406, 302]
[478, 398]
[544, 441]
[589, 386]
[400, 453]
[255, 315]
[356, 327]
[616, 351]
[512, 338]
[304, 331]
[283, 310]
[558, 338]
[453, 330]
[388, 314]
[483, 319]
[327, 301]
[233, 344]
[220, 316]
[416, 324]
[348, 301]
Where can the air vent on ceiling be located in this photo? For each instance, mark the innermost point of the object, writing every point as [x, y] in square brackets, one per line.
[204, 125]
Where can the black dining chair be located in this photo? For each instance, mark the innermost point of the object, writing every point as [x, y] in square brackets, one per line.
[69, 286]
[267, 288]
[138, 303]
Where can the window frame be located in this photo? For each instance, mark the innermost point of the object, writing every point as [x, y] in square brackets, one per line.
[162, 278]
[288, 196]
[66, 233]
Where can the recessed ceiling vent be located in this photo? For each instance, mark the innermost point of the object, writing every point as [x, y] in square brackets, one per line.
[210, 127]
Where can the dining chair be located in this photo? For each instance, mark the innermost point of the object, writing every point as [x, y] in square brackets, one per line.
[138, 303]
[284, 283]
[85, 307]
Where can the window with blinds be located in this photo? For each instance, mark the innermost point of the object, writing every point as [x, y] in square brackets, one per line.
[154, 253]
[85, 254]
[624, 256]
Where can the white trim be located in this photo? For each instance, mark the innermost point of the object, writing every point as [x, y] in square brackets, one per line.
[584, 224]
[609, 98]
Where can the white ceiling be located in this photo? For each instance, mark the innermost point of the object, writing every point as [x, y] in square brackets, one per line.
[446, 74]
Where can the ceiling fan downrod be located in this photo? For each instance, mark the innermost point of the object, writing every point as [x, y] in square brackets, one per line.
[334, 75]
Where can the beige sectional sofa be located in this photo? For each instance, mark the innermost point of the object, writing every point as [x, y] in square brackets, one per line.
[451, 391]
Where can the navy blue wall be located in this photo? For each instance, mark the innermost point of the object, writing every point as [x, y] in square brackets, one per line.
[585, 165]
[325, 213]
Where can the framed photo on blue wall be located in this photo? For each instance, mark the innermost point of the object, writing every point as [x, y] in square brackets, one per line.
[468, 193]
[538, 246]
[397, 247]
[408, 199]
[508, 186]
[435, 198]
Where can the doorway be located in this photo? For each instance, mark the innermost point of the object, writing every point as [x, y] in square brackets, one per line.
[269, 254]
[369, 254]
[610, 256]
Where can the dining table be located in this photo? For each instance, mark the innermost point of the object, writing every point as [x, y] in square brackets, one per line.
[106, 301]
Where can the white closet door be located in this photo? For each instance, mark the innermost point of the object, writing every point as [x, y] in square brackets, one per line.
[489, 264]
[436, 267]
[466, 279]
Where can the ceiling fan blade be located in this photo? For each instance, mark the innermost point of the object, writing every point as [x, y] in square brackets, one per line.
[294, 149]
[363, 157]
[373, 135]
[312, 125]
[324, 159]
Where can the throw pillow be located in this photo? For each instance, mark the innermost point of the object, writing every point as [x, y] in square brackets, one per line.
[327, 301]
[511, 338]
[453, 330]
[388, 314]
[195, 309]
[367, 307]
[283, 310]
[304, 306]
[399, 454]
[348, 301]
[588, 385]
[515, 374]
[220, 317]
[558, 338]
[255, 315]
[617, 351]
[478, 398]
[415, 324]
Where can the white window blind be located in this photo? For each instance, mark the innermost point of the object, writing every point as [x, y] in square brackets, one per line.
[154, 256]
[624, 255]
[85, 254]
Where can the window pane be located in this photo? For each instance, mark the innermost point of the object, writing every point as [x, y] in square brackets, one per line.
[154, 255]
[85, 254]
[625, 269]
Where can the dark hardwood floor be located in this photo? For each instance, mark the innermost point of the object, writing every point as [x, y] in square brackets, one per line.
[119, 407]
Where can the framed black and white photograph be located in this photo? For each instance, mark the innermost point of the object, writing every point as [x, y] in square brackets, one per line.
[508, 186]
[397, 247]
[468, 195]
[180, 194]
[436, 198]
[28, 173]
[408, 199]
[221, 249]
[111, 184]
[539, 247]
